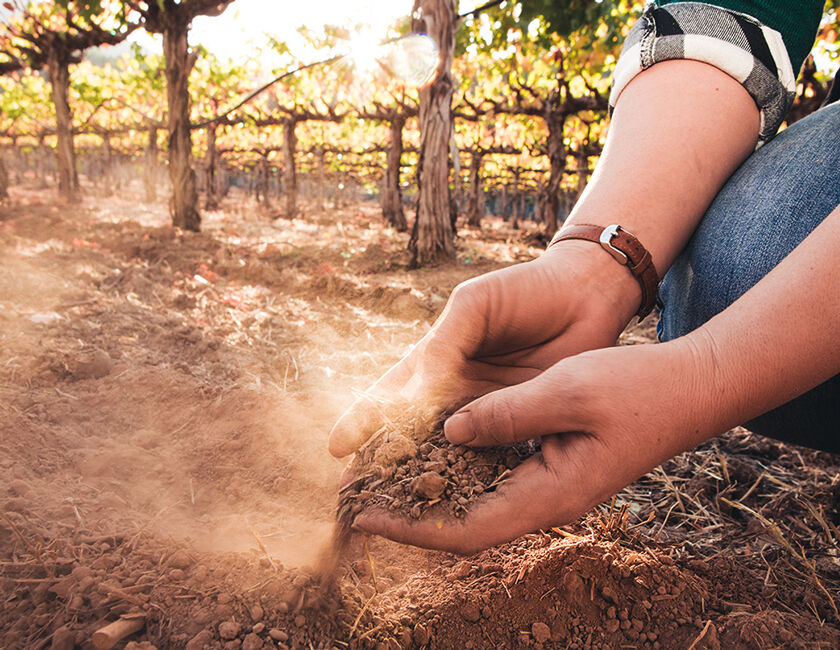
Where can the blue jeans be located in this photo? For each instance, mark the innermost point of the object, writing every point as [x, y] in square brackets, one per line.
[772, 202]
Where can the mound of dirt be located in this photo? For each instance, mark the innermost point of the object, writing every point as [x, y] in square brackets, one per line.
[165, 400]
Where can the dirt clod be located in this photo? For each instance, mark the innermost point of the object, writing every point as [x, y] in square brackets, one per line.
[278, 635]
[429, 485]
[229, 630]
[541, 632]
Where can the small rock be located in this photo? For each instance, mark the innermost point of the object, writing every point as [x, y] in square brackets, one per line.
[397, 449]
[180, 560]
[200, 573]
[256, 613]
[462, 569]
[200, 641]
[541, 632]
[278, 635]
[252, 642]
[470, 612]
[95, 366]
[429, 485]
[300, 620]
[81, 572]
[203, 616]
[178, 575]
[229, 630]
[612, 625]
[609, 594]
[259, 628]
[63, 639]
[421, 636]
[404, 638]
[437, 466]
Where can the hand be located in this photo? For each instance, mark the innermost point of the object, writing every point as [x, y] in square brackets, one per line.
[606, 417]
[501, 329]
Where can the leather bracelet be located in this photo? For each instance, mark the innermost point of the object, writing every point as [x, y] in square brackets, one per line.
[626, 250]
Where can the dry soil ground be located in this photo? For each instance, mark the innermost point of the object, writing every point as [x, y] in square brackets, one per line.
[165, 399]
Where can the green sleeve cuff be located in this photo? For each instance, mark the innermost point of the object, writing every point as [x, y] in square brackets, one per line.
[796, 20]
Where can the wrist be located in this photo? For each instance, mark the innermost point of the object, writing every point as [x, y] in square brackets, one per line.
[606, 290]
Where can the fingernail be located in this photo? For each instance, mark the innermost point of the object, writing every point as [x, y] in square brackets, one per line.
[458, 429]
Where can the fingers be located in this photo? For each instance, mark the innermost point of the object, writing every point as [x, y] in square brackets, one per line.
[552, 402]
[495, 518]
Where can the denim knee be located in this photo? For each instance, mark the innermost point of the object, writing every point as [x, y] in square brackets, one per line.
[772, 202]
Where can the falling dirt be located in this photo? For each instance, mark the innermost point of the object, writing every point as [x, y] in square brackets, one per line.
[165, 399]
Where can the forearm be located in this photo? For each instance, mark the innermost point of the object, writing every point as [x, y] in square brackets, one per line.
[777, 341]
[678, 132]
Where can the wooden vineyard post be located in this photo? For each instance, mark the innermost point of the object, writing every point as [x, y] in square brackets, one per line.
[432, 238]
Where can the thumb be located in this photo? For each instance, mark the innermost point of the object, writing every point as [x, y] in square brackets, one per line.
[552, 402]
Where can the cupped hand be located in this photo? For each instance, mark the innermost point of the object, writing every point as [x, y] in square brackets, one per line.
[498, 330]
[606, 417]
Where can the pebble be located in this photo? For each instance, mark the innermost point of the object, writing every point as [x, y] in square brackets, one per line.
[437, 466]
[396, 450]
[470, 612]
[541, 632]
[229, 630]
[259, 628]
[278, 635]
[421, 636]
[95, 366]
[63, 639]
[300, 620]
[252, 642]
[180, 560]
[429, 485]
[256, 613]
[461, 570]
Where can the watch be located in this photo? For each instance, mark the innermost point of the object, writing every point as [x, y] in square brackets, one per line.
[626, 250]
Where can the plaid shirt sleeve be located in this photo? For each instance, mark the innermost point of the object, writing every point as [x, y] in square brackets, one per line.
[733, 42]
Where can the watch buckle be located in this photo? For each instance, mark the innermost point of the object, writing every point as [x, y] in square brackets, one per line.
[606, 243]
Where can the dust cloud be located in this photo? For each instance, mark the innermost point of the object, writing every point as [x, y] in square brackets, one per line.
[157, 428]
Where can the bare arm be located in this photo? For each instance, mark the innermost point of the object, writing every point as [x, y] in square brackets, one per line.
[679, 131]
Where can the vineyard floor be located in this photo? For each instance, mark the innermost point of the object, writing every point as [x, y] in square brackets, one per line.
[165, 399]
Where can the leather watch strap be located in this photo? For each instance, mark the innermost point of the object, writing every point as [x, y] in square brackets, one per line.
[627, 251]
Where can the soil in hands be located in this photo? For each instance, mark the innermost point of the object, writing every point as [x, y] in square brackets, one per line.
[410, 468]
[165, 399]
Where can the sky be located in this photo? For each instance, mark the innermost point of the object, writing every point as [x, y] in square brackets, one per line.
[241, 30]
